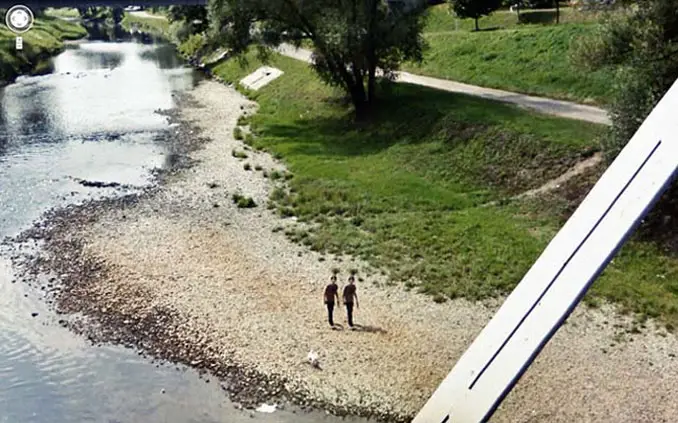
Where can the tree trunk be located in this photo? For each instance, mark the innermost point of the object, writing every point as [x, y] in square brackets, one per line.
[477, 28]
[372, 56]
[518, 11]
[372, 84]
[557, 11]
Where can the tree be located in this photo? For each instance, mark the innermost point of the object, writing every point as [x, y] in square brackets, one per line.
[641, 43]
[195, 16]
[475, 8]
[351, 39]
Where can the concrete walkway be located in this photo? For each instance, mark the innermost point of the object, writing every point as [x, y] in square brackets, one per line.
[146, 15]
[560, 108]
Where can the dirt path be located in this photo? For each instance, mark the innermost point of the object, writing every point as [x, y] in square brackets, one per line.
[555, 183]
[254, 298]
[543, 105]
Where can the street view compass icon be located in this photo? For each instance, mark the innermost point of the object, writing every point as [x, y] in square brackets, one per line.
[19, 19]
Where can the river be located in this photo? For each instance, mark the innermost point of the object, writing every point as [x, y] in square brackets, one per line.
[92, 118]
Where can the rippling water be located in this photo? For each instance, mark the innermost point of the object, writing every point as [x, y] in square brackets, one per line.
[94, 119]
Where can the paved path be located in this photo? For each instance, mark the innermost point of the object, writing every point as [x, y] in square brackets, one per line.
[560, 108]
[144, 14]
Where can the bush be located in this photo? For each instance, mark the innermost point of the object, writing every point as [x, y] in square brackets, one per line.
[243, 202]
[249, 139]
[641, 44]
[238, 154]
[237, 133]
[192, 45]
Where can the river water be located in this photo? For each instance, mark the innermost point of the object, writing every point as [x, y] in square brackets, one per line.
[92, 118]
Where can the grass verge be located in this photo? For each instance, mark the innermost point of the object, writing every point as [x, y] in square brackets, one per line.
[156, 26]
[527, 58]
[64, 12]
[406, 192]
[42, 42]
[442, 19]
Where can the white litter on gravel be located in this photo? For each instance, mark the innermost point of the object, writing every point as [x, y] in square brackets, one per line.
[265, 408]
[256, 298]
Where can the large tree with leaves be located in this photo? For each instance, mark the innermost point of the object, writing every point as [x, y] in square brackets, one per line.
[195, 16]
[641, 43]
[352, 39]
[475, 9]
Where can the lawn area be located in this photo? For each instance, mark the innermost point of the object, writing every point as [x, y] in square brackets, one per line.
[64, 12]
[442, 19]
[405, 192]
[43, 41]
[158, 26]
[527, 58]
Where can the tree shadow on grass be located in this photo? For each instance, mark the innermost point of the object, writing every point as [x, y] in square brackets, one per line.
[407, 114]
[543, 17]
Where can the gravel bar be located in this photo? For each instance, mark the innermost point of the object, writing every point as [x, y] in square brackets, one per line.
[181, 273]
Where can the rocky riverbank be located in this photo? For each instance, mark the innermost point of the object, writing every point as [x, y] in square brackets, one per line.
[182, 273]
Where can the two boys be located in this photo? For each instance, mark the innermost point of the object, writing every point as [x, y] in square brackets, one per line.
[350, 298]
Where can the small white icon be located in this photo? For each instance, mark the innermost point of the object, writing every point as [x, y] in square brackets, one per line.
[19, 19]
[19, 43]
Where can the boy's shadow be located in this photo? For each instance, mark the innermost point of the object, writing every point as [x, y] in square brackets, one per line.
[368, 329]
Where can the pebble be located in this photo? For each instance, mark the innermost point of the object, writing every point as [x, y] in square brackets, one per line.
[389, 386]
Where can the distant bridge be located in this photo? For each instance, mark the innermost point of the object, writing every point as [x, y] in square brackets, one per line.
[37, 4]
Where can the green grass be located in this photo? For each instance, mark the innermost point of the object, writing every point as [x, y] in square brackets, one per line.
[243, 202]
[527, 58]
[192, 45]
[238, 154]
[158, 26]
[405, 191]
[43, 41]
[65, 12]
[442, 19]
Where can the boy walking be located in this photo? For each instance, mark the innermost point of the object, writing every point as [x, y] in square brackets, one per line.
[331, 292]
[350, 296]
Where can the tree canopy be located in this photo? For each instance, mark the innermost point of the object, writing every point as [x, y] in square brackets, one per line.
[193, 15]
[642, 44]
[475, 8]
[352, 39]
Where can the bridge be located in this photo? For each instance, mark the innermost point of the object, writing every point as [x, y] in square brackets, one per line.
[39, 4]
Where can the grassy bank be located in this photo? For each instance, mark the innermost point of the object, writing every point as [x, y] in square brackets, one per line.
[157, 26]
[64, 12]
[405, 192]
[160, 26]
[527, 58]
[40, 43]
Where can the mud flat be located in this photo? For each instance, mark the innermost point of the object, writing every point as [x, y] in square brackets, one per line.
[181, 273]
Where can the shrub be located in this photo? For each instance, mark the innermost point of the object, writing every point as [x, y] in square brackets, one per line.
[243, 202]
[238, 154]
